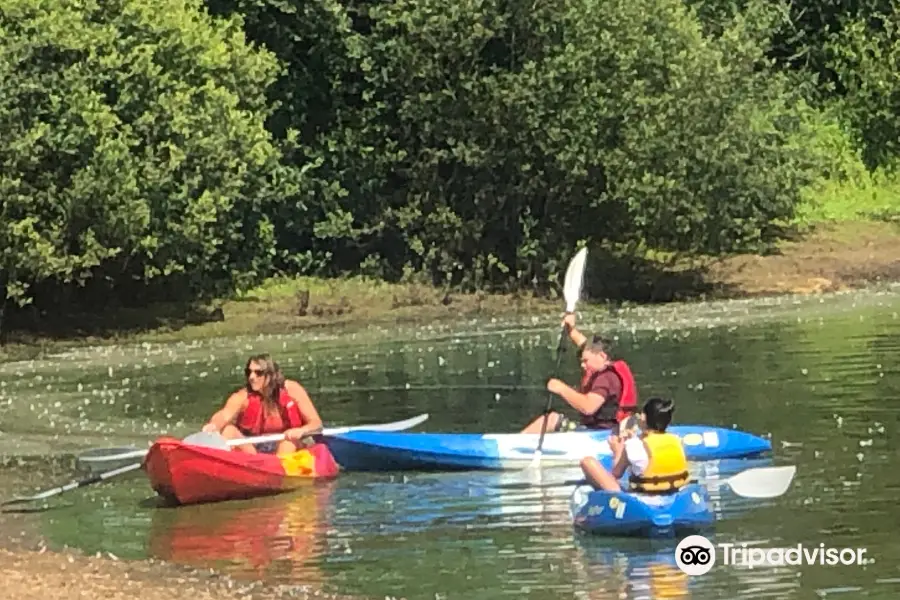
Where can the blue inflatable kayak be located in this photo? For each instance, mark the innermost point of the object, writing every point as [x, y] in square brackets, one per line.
[648, 515]
[391, 451]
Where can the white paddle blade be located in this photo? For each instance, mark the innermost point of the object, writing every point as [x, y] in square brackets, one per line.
[574, 279]
[762, 482]
[207, 439]
[394, 426]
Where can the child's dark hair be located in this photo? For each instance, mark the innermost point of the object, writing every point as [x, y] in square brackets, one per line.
[658, 412]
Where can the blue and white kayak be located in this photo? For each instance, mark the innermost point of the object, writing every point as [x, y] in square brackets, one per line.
[393, 451]
[649, 515]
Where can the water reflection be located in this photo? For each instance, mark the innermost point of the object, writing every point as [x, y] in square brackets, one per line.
[632, 569]
[377, 534]
[276, 537]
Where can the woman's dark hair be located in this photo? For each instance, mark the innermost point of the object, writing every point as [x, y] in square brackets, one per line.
[658, 412]
[272, 389]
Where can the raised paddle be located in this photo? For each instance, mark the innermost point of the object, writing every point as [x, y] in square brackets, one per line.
[98, 456]
[756, 482]
[571, 293]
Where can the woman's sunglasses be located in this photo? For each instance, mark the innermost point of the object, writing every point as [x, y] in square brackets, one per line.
[257, 372]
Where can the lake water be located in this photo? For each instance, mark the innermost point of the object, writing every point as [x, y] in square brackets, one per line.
[820, 375]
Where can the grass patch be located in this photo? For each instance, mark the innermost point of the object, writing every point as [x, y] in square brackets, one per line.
[864, 196]
[280, 305]
[325, 301]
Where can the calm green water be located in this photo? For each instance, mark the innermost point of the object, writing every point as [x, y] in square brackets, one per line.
[821, 377]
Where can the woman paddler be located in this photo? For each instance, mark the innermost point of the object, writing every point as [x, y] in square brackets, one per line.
[269, 403]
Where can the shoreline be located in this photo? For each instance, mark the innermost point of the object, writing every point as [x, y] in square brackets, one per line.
[43, 574]
[829, 258]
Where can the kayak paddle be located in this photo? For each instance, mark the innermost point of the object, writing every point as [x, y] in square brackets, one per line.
[571, 293]
[98, 456]
[756, 482]
[72, 486]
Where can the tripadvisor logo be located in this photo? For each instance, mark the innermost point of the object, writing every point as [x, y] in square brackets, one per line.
[696, 555]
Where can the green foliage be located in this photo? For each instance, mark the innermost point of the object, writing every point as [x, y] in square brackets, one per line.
[841, 53]
[133, 147]
[476, 142]
[712, 154]
[837, 193]
[866, 57]
[147, 146]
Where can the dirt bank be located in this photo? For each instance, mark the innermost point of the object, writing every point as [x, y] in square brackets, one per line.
[45, 575]
[829, 258]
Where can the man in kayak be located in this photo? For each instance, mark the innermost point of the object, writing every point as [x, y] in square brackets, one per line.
[657, 460]
[607, 394]
[268, 403]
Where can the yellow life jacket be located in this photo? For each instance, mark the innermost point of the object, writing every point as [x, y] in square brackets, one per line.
[667, 469]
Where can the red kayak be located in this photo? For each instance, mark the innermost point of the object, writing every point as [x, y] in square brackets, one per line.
[189, 474]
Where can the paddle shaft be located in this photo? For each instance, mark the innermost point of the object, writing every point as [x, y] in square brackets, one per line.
[261, 439]
[559, 351]
[74, 485]
[277, 437]
[567, 483]
[131, 467]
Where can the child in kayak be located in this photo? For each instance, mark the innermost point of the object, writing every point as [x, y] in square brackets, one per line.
[607, 394]
[656, 459]
[268, 403]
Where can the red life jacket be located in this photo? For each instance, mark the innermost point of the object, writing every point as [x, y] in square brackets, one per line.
[252, 419]
[616, 408]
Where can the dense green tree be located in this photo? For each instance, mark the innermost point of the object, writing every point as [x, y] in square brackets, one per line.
[484, 142]
[865, 56]
[841, 53]
[133, 148]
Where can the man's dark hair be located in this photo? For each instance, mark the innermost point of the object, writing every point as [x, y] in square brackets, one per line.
[597, 343]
